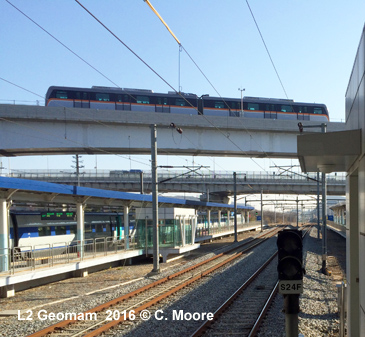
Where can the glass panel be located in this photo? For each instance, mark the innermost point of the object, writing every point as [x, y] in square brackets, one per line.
[252, 106]
[162, 100]
[60, 230]
[44, 231]
[219, 105]
[143, 99]
[180, 102]
[61, 94]
[318, 110]
[102, 97]
[286, 108]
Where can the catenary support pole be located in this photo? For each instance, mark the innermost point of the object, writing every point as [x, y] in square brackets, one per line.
[235, 206]
[262, 212]
[156, 251]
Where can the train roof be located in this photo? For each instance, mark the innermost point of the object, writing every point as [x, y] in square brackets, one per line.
[132, 91]
[263, 100]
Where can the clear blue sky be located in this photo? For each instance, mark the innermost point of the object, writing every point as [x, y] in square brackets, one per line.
[313, 44]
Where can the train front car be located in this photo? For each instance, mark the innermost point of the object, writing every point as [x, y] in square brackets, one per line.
[126, 99]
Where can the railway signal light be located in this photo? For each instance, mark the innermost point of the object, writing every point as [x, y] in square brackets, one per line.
[290, 255]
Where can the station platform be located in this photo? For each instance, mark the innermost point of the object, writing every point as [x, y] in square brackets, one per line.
[36, 273]
[46, 273]
[339, 229]
[216, 232]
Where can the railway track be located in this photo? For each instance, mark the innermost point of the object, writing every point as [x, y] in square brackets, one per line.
[130, 307]
[242, 313]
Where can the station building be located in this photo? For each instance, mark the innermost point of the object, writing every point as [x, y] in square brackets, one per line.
[345, 151]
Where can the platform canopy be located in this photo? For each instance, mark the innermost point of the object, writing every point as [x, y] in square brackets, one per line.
[23, 190]
[328, 152]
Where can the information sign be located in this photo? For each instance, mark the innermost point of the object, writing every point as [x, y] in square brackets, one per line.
[291, 287]
[57, 215]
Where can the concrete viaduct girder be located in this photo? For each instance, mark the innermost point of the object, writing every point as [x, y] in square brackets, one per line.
[37, 130]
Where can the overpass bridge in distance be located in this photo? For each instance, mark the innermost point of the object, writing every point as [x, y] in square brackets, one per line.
[39, 130]
[218, 185]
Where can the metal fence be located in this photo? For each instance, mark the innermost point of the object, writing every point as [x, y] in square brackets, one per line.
[31, 258]
[215, 228]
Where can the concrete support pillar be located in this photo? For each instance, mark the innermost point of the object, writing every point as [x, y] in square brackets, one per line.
[352, 255]
[4, 235]
[208, 219]
[126, 227]
[80, 228]
[219, 218]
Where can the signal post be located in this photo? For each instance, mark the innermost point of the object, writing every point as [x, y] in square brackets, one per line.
[290, 273]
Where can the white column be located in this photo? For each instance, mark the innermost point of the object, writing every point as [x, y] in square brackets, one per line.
[219, 218]
[208, 219]
[4, 235]
[126, 227]
[80, 228]
[352, 255]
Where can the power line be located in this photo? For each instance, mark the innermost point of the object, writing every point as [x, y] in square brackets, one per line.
[69, 49]
[267, 49]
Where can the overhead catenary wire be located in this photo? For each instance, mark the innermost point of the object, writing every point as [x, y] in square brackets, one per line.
[155, 72]
[211, 84]
[227, 136]
[267, 49]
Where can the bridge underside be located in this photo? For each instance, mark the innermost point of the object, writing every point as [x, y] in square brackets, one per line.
[37, 130]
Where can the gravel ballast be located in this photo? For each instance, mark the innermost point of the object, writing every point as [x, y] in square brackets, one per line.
[318, 303]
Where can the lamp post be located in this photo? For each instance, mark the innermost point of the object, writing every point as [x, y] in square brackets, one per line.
[242, 90]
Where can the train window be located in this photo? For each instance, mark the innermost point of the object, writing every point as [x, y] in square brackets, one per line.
[180, 102]
[81, 95]
[270, 107]
[44, 231]
[253, 106]
[162, 100]
[143, 99]
[73, 229]
[317, 110]
[61, 94]
[102, 97]
[60, 230]
[235, 105]
[286, 108]
[87, 228]
[219, 105]
[301, 109]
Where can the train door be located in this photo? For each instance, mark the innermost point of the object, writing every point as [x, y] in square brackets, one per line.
[123, 102]
[162, 105]
[82, 100]
[270, 111]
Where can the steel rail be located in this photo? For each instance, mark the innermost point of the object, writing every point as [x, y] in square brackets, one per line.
[206, 325]
[63, 324]
[256, 327]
